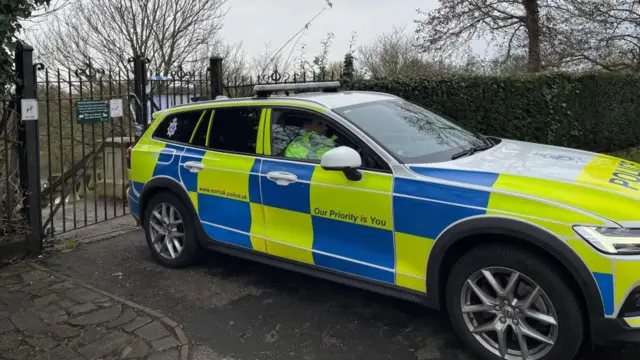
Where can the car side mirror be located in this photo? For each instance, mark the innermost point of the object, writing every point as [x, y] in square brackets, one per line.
[345, 159]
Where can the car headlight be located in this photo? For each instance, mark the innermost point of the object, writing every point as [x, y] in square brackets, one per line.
[621, 241]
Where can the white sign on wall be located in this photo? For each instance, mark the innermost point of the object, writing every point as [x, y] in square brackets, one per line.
[29, 109]
[115, 108]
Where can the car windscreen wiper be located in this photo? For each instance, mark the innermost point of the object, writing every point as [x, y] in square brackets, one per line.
[470, 151]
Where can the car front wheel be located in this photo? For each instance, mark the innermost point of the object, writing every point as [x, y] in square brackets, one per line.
[507, 303]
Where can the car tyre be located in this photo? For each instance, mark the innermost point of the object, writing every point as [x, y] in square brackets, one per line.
[554, 302]
[174, 229]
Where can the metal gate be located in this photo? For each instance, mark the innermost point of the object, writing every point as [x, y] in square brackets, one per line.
[83, 139]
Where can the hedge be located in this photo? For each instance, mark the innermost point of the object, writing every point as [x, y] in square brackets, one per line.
[597, 112]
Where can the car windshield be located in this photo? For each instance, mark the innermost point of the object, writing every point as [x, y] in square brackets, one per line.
[410, 132]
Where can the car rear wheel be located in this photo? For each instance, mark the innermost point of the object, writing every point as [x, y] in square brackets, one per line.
[170, 231]
[507, 303]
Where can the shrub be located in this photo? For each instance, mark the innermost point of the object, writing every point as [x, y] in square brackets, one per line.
[596, 112]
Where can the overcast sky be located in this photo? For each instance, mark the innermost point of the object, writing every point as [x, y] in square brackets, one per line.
[256, 22]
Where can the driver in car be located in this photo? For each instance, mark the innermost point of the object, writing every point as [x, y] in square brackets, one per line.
[312, 143]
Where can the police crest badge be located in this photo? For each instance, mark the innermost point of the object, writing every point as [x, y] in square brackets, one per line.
[172, 127]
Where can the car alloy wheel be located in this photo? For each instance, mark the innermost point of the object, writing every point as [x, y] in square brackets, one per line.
[509, 314]
[167, 231]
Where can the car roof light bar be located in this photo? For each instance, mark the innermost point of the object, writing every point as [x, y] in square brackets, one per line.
[265, 90]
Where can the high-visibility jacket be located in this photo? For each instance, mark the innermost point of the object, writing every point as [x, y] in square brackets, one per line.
[309, 145]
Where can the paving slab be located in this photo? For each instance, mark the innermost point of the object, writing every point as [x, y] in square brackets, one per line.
[88, 336]
[51, 313]
[65, 331]
[126, 317]
[136, 350]
[66, 303]
[137, 323]
[81, 308]
[10, 341]
[153, 331]
[39, 289]
[168, 342]
[62, 286]
[25, 321]
[99, 316]
[59, 318]
[62, 352]
[46, 299]
[5, 325]
[44, 343]
[111, 343]
[21, 353]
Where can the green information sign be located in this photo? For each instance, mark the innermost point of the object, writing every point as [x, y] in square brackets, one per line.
[92, 111]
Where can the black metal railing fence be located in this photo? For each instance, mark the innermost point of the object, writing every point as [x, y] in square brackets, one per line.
[65, 168]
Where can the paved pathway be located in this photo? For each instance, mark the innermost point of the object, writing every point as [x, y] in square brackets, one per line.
[47, 316]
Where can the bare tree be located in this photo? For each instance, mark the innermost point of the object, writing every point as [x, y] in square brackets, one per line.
[263, 67]
[390, 54]
[109, 32]
[515, 27]
[611, 38]
[233, 55]
[41, 15]
[395, 53]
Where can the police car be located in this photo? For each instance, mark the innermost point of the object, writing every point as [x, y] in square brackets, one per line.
[532, 250]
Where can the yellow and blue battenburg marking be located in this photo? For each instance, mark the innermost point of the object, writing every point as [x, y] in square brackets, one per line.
[602, 270]
[149, 154]
[423, 210]
[556, 219]
[426, 209]
[228, 190]
[324, 221]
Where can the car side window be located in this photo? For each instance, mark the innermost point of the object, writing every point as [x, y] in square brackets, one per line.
[303, 135]
[235, 129]
[178, 127]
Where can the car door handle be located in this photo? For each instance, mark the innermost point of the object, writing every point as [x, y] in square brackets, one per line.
[194, 166]
[282, 178]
